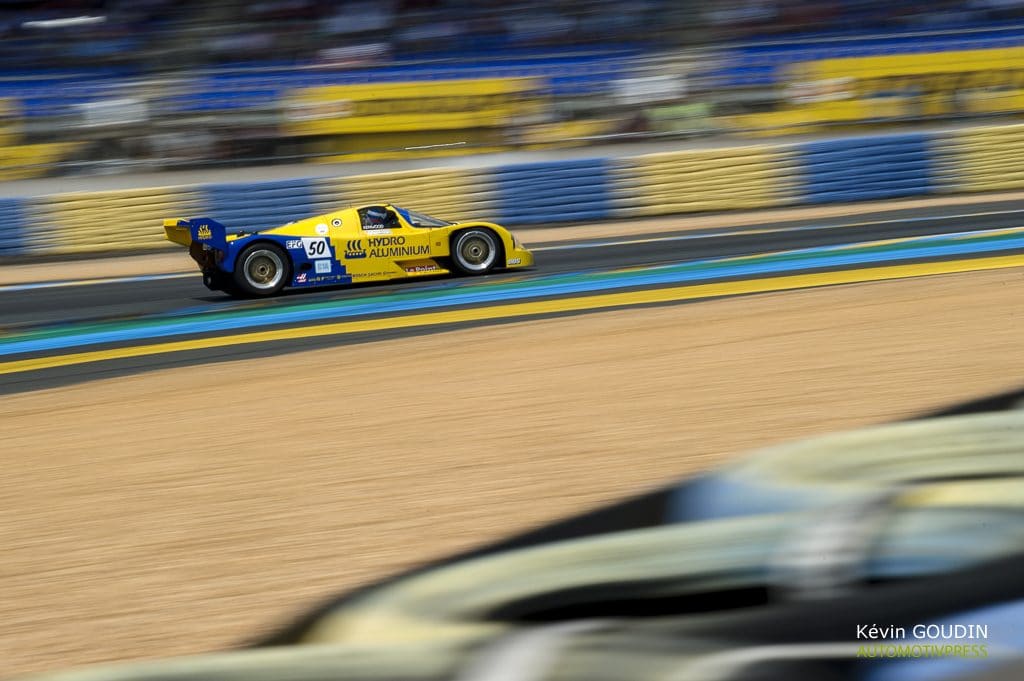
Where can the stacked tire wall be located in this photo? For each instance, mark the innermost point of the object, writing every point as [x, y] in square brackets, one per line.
[870, 167]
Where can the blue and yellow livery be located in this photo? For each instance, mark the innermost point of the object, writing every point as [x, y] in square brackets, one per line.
[374, 242]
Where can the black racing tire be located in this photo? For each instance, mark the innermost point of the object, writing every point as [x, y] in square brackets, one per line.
[262, 269]
[476, 251]
[218, 281]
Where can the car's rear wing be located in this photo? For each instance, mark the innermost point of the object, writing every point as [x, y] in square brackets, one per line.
[186, 231]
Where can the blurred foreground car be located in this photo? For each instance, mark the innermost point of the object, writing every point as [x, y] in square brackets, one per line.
[763, 570]
[354, 245]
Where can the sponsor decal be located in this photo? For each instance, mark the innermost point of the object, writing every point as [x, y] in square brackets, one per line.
[399, 251]
[354, 249]
[373, 231]
[316, 247]
[321, 229]
[204, 233]
[300, 278]
[293, 244]
[515, 261]
[336, 222]
[414, 269]
[377, 242]
[322, 266]
[394, 247]
[383, 247]
[323, 279]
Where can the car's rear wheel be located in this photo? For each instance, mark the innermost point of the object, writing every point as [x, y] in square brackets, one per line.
[216, 280]
[262, 270]
[475, 251]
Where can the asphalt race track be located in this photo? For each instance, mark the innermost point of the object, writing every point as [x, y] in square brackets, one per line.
[52, 335]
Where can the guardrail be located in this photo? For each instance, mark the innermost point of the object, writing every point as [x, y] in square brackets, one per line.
[758, 176]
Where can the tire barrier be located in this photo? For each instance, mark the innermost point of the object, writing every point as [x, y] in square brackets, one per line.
[987, 158]
[712, 179]
[557, 191]
[263, 204]
[717, 179]
[12, 227]
[864, 168]
[99, 222]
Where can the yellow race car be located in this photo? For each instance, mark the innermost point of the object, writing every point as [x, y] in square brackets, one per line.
[358, 244]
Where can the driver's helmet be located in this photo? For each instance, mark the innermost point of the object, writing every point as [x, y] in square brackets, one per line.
[376, 216]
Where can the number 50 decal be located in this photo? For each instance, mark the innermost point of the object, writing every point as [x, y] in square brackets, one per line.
[316, 247]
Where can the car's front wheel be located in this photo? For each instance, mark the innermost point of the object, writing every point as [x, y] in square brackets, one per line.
[262, 269]
[475, 251]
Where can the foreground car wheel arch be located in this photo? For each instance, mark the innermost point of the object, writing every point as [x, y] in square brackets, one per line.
[476, 250]
[262, 269]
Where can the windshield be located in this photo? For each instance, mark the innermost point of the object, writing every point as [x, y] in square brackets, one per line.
[420, 220]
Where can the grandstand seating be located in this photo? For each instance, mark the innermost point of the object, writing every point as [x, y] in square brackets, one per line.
[259, 86]
[761, 64]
